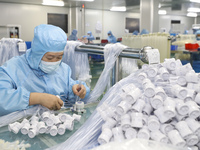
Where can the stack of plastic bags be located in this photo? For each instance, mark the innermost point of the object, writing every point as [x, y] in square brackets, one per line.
[8, 49]
[44, 122]
[78, 62]
[159, 103]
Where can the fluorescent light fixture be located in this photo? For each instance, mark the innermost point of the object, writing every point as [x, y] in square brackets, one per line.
[196, 1]
[192, 9]
[123, 8]
[162, 12]
[53, 2]
[190, 14]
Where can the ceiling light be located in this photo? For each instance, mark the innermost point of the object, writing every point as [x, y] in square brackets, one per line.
[196, 1]
[193, 9]
[118, 9]
[192, 14]
[53, 3]
[162, 12]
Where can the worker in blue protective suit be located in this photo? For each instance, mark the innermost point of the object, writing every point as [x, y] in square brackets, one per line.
[135, 32]
[39, 75]
[90, 37]
[73, 36]
[144, 31]
[197, 33]
[111, 38]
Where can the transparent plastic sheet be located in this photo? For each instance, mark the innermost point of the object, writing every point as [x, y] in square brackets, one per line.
[129, 66]
[137, 144]
[111, 53]
[86, 136]
[8, 49]
[12, 117]
[77, 61]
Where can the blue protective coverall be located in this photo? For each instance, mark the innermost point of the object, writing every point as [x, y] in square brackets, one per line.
[21, 75]
[73, 36]
[111, 38]
[144, 31]
[90, 37]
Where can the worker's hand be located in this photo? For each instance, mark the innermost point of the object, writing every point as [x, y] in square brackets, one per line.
[79, 91]
[50, 101]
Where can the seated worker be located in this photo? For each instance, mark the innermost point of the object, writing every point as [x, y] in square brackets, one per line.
[37, 76]
[135, 32]
[90, 37]
[111, 38]
[73, 36]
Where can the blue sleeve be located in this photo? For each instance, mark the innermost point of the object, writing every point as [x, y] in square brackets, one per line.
[12, 98]
[72, 82]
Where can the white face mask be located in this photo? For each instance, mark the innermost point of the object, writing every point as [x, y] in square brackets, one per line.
[49, 67]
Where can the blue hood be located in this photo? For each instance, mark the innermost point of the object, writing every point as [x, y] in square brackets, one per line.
[90, 37]
[74, 32]
[47, 38]
[111, 38]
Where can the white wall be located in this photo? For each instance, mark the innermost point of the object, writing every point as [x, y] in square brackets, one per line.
[28, 16]
[165, 21]
[114, 21]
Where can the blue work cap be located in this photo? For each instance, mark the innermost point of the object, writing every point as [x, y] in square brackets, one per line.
[74, 32]
[47, 38]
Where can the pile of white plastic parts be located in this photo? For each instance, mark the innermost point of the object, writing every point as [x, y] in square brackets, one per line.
[46, 122]
[158, 102]
[13, 145]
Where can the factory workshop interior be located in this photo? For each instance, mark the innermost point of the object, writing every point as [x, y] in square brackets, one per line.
[99, 74]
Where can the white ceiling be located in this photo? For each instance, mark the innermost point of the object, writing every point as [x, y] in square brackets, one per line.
[173, 7]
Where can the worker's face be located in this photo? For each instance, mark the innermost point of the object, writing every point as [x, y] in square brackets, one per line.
[109, 34]
[52, 56]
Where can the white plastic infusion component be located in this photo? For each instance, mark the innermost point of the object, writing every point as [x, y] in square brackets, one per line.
[153, 123]
[192, 140]
[139, 105]
[45, 115]
[137, 120]
[105, 136]
[118, 134]
[130, 133]
[193, 125]
[159, 91]
[158, 136]
[132, 96]
[79, 107]
[123, 107]
[170, 64]
[69, 124]
[32, 132]
[61, 129]
[181, 107]
[149, 90]
[165, 128]
[25, 128]
[197, 98]
[110, 123]
[53, 130]
[176, 138]
[143, 133]
[142, 76]
[125, 121]
[41, 127]
[194, 111]
[50, 120]
[181, 81]
[190, 95]
[56, 120]
[164, 74]
[147, 109]
[191, 77]
[183, 129]
[14, 127]
[179, 91]
[160, 114]
[63, 117]
[77, 117]
[152, 72]
[156, 102]
[169, 107]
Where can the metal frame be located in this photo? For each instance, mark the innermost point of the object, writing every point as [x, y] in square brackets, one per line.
[127, 53]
